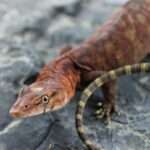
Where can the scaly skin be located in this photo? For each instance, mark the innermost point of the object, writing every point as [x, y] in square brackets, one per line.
[122, 40]
[106, 77]
[52, 89]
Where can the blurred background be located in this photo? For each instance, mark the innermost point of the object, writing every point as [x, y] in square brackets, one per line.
[31, 34]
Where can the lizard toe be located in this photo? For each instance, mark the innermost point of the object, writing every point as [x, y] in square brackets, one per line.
[105, 112]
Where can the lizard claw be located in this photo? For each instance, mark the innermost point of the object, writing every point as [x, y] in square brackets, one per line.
[100, 115]
[105, 111]
[99, 104]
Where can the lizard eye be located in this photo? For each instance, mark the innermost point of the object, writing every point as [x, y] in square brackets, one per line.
[45, 99]
[26, 106]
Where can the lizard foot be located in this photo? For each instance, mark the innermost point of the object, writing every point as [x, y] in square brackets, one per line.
[105, 111]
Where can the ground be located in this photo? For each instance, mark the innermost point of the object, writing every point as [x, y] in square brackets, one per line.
[31, 34]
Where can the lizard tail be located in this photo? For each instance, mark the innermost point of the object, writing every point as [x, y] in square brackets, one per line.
[111, 75]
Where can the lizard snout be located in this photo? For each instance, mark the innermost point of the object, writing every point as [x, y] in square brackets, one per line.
[14, 113]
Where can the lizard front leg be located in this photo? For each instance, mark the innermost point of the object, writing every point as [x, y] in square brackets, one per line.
[109, 90]
[109, 105]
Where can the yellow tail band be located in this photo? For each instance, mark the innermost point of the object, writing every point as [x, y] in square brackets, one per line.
[108, 76]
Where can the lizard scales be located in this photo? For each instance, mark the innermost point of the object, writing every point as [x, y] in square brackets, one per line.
[111, 75]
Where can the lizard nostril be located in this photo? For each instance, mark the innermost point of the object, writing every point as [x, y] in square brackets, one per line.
[26, 106]
[14, 113]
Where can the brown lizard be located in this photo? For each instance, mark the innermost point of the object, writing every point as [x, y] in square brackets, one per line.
[124, 39]
[106, 77]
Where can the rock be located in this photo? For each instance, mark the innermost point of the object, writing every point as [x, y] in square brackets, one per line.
[24, 45]
[16, 65]
[66, 29]
[116, 2]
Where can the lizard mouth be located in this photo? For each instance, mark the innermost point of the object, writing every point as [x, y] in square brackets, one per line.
[14, 113]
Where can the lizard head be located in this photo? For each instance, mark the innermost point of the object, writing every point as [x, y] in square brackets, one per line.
[38, 98]
[54, 87]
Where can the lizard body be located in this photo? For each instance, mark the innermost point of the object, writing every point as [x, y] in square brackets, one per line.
[106, 77]
[122, 40]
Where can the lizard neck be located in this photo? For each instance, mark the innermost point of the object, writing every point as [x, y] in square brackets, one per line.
[68, 75]
[62, 73]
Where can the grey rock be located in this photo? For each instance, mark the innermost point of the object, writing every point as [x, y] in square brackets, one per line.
[16, 65]
[67, 30]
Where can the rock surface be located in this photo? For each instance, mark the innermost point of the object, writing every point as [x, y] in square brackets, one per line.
[31, 33]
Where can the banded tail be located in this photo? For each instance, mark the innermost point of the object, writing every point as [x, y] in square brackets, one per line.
[111, 75]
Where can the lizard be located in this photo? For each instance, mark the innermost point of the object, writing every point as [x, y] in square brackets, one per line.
[106, 77]
[122, 40]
